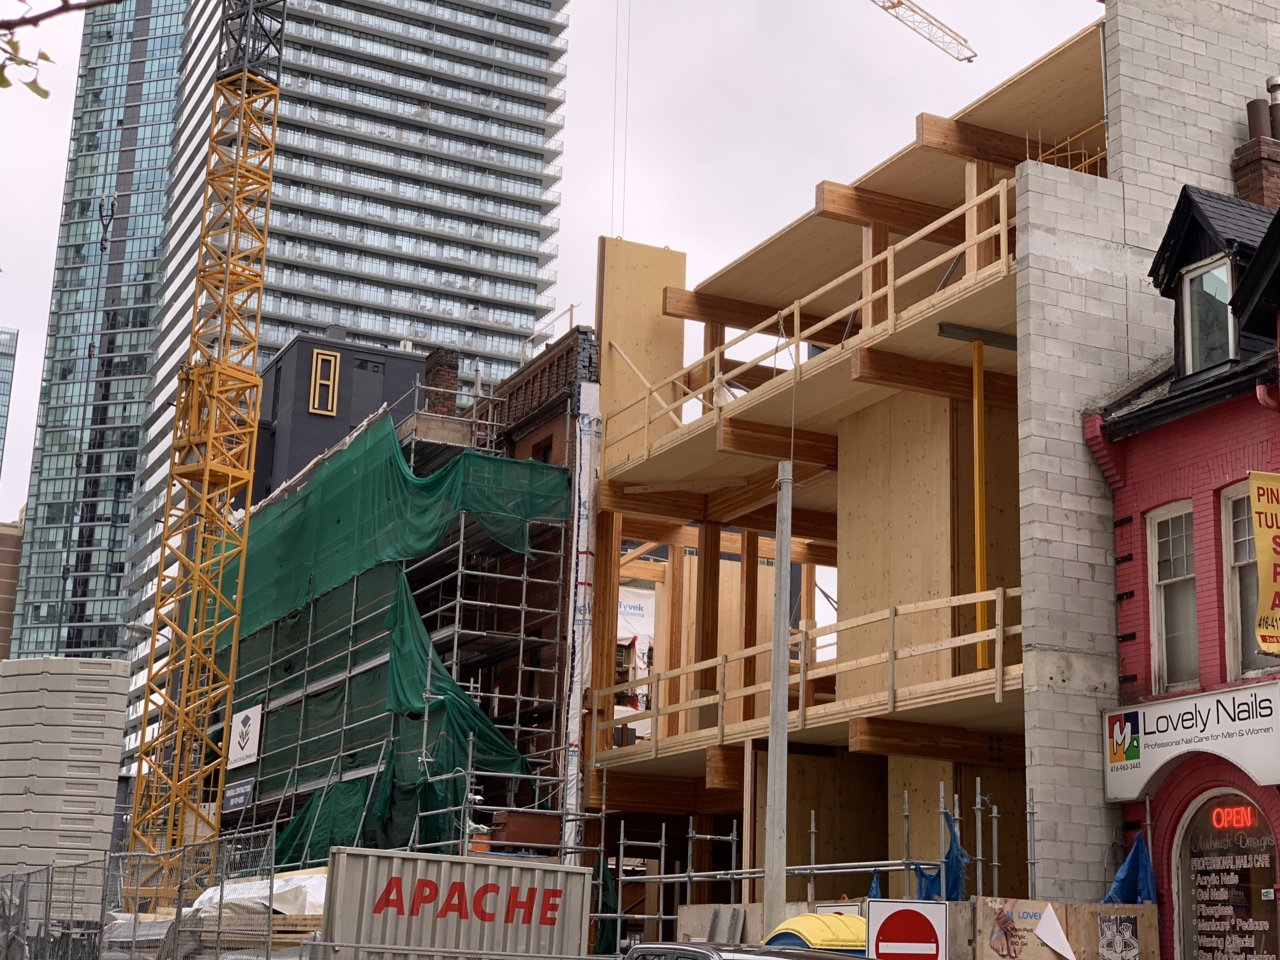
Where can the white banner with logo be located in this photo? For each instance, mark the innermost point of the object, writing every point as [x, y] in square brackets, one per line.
[246, 732]
[1240, 725]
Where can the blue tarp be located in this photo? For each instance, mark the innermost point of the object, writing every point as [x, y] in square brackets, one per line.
[929, 885]
[1135, 881]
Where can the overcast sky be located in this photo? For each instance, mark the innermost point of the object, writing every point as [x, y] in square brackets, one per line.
[736, 108]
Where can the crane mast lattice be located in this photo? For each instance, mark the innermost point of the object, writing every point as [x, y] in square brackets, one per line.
[188, 694]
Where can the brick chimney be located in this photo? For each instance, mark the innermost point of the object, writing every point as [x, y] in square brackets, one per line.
[1256, 164]
[441, 375]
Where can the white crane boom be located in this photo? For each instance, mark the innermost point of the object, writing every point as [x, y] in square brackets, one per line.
[929, 27]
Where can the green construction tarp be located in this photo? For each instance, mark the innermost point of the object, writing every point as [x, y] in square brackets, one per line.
[363, 506]
[419, 690]
[330, 818]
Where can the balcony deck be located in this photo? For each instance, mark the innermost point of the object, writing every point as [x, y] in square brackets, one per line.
[682, 722]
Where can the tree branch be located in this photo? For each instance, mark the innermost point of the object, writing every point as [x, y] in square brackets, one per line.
[66, 6]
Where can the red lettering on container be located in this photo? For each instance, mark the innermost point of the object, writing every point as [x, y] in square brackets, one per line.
[477, 902]
[424, 894]
[391, 898]
[455, 901]
[514, 902]
[550, 906]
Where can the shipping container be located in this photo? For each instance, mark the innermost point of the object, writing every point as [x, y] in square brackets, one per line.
[383, 904]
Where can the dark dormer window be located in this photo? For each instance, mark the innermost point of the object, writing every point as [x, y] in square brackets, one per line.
[1208, 330]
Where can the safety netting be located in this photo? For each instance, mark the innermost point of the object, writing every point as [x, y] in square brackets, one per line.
[335, 649]
[363, 506]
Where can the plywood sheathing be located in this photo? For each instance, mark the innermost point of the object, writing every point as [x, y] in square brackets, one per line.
[838, 788]
[630, 325]
[895, 533]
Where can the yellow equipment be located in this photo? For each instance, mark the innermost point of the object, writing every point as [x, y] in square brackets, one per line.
[186, 720]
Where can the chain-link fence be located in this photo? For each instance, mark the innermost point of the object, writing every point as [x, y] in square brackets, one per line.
[206, 901]
[201, 902]
[52, 914]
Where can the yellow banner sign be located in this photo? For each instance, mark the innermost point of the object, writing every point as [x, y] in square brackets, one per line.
[1264, 500]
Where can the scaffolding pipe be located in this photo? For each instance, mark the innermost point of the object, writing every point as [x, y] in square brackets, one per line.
[775, 809]
[942, 834]
[977, 826]
[1031, 843]
[803, 870]
[813, 854]
[995, 850]
[906, 832]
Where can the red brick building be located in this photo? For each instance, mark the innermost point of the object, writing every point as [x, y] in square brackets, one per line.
[1188, 755]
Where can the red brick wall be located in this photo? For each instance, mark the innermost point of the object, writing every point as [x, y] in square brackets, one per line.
[1194, 458]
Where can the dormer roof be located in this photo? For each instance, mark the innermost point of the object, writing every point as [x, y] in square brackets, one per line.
[1257, 296]
[1205, 224]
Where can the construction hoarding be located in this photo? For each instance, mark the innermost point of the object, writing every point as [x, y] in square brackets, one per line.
[387, 903]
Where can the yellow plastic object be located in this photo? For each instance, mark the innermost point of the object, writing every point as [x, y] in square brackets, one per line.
[825, 931]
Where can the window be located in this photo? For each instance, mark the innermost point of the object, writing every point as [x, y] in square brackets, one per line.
[1240, 585]
[1171, 560]
[324, 382]
[1208, 330]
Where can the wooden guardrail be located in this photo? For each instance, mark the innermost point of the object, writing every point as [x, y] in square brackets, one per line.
[666, 710]
[880, 309]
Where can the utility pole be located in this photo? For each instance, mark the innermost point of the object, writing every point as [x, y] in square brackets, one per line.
[775, 805]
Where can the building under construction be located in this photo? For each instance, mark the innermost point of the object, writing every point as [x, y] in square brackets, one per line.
[414, 677]
[920, 345]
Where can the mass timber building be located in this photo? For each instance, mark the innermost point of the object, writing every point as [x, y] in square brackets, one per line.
[921, 344]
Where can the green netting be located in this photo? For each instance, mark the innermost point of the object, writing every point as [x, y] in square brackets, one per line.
[380, 712]
[330, 818]
[363, 506]
[321, 567]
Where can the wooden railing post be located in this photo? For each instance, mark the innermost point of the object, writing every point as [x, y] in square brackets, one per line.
[1004, 224]
[722, 678]
[999, 658]
[655, 706]
[803, 694]
[890, 664]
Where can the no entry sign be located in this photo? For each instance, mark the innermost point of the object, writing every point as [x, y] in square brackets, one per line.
[906, 930]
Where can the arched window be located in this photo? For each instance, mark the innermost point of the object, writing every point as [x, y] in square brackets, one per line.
[1226, 877]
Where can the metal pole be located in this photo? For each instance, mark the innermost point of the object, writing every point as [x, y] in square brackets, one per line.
[775, 807]
[813, 854]
[995, 850]
[1031, 843]
[942, 837]
[906, 838]
[977, 826]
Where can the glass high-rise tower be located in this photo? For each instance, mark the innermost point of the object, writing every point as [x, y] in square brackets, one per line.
[72, 592]
[8, 357]
[414, 189]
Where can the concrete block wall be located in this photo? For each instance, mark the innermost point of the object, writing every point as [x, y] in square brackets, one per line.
[1178, 75]
[61, 732]
[1082, 330]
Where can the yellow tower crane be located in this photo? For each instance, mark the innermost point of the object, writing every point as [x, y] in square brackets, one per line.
[186, 713]
[929, 27]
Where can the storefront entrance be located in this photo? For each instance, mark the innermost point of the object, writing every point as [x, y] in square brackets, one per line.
[1226, 876]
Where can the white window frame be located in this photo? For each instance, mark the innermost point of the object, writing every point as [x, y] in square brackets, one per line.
[1230, 590]
[1155, 620]
[1190, 273]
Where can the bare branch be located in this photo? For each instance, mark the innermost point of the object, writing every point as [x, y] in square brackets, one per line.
[66, 6]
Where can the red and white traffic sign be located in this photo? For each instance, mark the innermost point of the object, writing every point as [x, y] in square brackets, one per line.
[906, 930]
